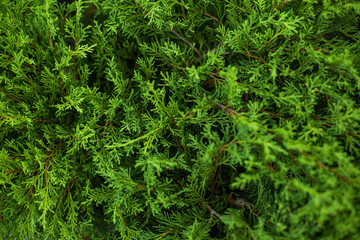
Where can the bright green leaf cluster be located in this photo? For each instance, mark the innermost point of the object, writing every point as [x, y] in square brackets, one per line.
[172, 119]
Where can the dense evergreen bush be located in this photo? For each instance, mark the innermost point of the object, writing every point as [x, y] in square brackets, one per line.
[179, 119]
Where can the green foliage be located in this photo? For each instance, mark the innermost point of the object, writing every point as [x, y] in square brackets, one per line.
[173, 119]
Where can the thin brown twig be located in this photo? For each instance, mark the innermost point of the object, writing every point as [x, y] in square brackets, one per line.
[175, 66]
[227, 109]
[48, 160]
[217, 163]
[60, 84]
[173, 230]
[271, 168]
[127, 89]
[222, 149]
[176, 138]
[280, 4]
[215, 74]
[53, 48]
[123, 220]
[35, 120]
[141, 186]
[9, 96]
[298, 164]
[328, 168]
[242, 202]
[28, 64]
[206, 14]
[31, 187]
[212, 211]
[184, 69]
[333, 172]
[13, 171]
[13, 157]
[328, 124]
[256, 57]
[86, 238]
[183, 12]
[51, 42]
[45, 121]
[66, 189]
[275, 115]
[74, 60]
[186, 41]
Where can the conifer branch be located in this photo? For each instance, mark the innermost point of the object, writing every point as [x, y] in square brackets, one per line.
[146, 180]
